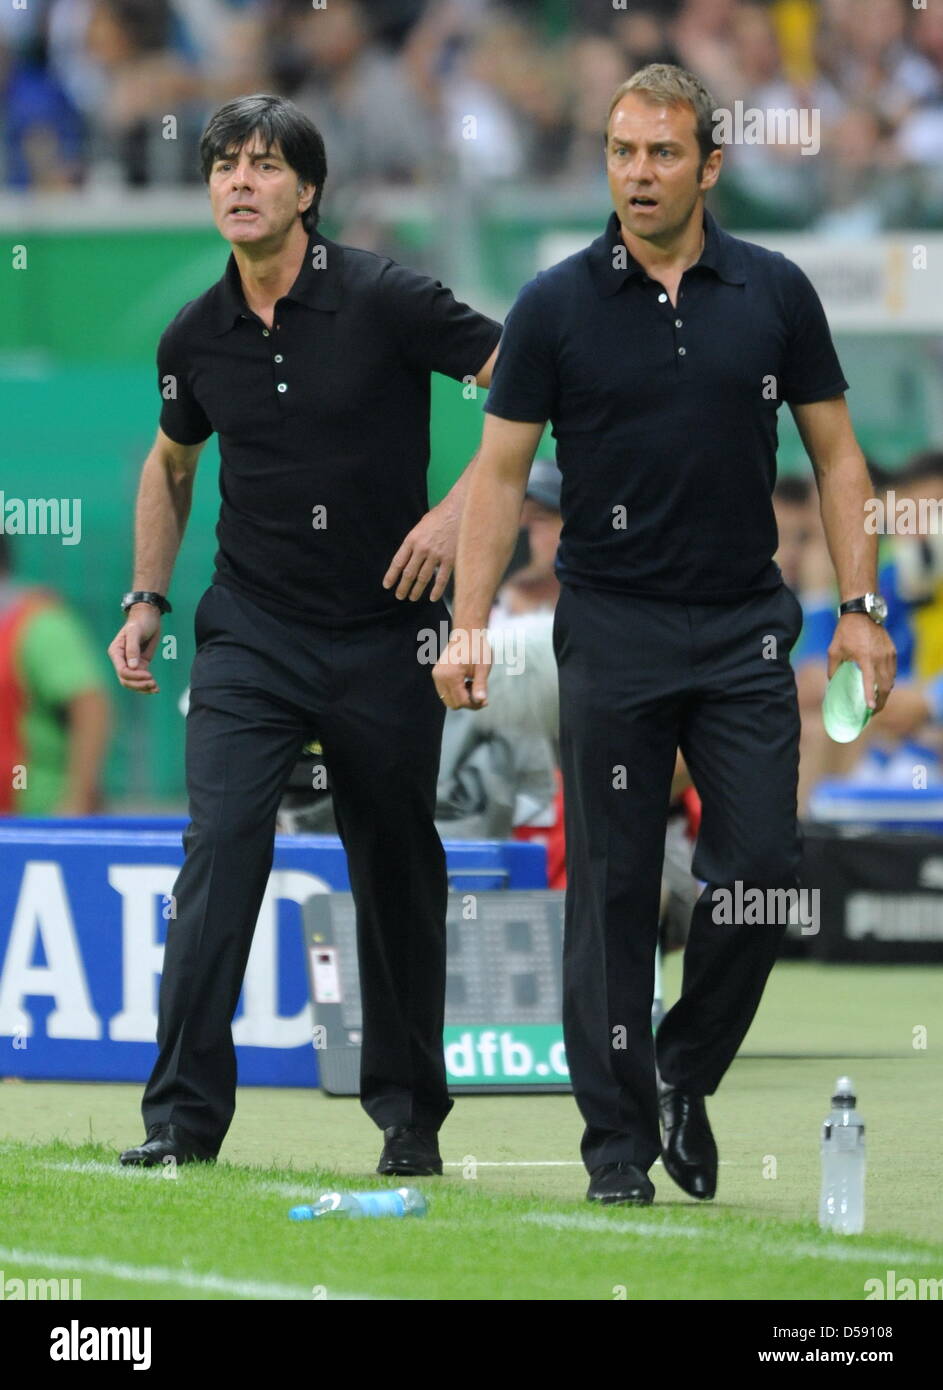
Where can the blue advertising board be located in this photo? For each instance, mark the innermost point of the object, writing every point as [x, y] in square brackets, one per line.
[84, 907]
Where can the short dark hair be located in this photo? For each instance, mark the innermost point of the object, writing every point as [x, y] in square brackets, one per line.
[670, 85]
[276, 121]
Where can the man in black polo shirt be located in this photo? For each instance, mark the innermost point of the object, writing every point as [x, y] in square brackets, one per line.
[312, 362]
[661, 354]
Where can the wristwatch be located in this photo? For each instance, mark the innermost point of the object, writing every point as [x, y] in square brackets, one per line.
[146, 596]
[873, 605]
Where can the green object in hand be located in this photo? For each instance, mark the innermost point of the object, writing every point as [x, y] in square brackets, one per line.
[845, 708]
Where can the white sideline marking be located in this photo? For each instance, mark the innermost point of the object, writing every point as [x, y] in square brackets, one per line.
[108, 1170]
[518, 1163]
[548, 1163]
[861, 1254]
[94, 1167]
[791, 1250]
[287, 1189]
[114, 1170]
[619, 1228]
[158, 1274]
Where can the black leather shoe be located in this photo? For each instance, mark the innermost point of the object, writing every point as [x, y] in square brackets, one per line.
[409, 1152]
[688, 1150]
[167, 1141]
[620, 1182]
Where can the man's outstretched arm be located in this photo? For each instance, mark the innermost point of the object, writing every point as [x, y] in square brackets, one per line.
[490, 523]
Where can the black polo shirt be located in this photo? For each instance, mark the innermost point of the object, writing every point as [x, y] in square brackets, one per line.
[665, 418]
[323, 423]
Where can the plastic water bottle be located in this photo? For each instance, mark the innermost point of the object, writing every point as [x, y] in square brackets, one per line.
[841, 1206]
[402, 1201]
[658, 1003]
[845, 709]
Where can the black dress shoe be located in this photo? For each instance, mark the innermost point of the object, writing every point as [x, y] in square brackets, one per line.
[620, 1183]
[409, 1152]
[688, 1150]
[167, 1141]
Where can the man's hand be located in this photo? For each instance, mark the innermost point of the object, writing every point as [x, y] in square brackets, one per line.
[859, 639]
[428, 550]
[132, 649]
[461, 673]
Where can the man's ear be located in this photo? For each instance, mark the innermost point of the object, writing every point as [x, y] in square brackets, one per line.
[711, 170]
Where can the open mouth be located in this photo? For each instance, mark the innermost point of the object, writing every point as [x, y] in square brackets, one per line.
[242, 212]
[640, 201]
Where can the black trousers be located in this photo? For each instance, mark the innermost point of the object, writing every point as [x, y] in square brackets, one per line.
[639, 678]
[260, 688]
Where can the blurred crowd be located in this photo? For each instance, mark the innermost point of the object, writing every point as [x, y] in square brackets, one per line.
[902, 748]
[421, 92]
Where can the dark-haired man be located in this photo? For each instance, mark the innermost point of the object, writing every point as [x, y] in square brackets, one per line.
[662, 353]
[312, 363]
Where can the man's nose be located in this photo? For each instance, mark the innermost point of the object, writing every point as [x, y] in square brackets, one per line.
[639, 169]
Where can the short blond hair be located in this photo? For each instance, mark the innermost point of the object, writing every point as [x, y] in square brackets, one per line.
[670, 85]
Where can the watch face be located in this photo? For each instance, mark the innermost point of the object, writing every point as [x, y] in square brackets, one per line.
[877, 607]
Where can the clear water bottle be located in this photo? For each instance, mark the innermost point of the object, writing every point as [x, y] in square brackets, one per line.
[401, 1201]
[658, 1002]
[841, 1206]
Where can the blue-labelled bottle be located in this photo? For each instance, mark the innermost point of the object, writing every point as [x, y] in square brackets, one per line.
[841, 1205]
[401, 1201]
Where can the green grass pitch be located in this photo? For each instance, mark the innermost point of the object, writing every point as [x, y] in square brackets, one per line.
[508, 1220]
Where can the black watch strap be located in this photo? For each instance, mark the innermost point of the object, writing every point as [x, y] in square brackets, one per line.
[873, 606]
[146, 596]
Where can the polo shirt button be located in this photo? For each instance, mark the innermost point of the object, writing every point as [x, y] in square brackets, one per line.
[264, 332]
[681, 352]
[677, 325]
[662, 298]
[283, 387]
[280, 358]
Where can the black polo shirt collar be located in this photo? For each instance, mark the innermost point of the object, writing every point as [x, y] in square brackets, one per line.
[720, 255]
[317, 287]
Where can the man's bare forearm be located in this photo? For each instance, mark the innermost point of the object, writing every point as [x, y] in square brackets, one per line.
[490, 523]
[844, 488]
[163, 507]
